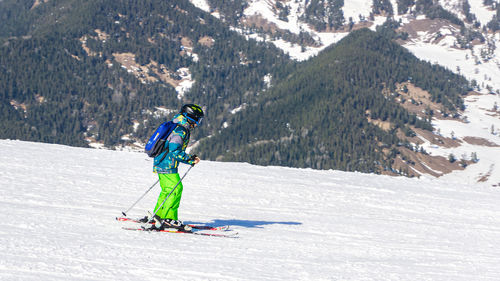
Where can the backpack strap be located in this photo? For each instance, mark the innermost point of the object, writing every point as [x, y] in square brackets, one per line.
[164, 155]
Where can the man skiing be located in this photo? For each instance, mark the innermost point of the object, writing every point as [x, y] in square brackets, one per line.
[166, 163]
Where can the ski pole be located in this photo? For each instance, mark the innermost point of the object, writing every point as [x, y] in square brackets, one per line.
[153, 216]
[125, 213]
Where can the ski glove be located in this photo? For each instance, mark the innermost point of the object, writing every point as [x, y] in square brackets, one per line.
[192, 158]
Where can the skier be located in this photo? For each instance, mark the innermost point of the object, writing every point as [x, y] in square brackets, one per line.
[166, 163]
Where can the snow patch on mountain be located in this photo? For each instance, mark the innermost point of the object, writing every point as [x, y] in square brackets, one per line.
[465, 62]
[201, 4]
[264, 9]
[452, 6]
[186, 82]
[483, 13]
[482, 119]
[356, 8]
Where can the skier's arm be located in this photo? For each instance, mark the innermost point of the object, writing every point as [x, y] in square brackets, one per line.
[180, 155]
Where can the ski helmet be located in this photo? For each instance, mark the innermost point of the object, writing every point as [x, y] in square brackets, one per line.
[193, 113]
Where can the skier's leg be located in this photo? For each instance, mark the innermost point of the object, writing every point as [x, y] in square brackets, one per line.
[170, 207]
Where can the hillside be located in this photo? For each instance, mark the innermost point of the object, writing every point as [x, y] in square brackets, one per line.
[325, 114]
[59, 208]
[461, 36]
[107, 73]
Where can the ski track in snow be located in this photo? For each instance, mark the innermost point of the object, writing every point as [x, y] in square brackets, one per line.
[59, 203]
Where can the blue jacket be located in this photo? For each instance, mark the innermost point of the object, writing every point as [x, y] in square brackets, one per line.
[175, 146]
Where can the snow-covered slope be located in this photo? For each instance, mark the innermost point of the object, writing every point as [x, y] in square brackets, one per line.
[58, 206]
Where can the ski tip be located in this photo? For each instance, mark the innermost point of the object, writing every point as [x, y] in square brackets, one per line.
[124, 214]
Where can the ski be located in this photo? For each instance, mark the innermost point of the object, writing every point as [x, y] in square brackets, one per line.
[199, 227]
[232, 235]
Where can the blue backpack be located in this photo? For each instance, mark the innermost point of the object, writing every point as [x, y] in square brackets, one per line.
[156, 143]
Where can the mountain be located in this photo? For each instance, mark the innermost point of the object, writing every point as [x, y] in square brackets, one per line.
[331, 123]
[459, 35]
[106, 74]
[58, 222]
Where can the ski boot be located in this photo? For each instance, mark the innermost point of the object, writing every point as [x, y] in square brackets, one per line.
[175, 224]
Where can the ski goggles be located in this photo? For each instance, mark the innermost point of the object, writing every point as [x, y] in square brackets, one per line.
[197, 122]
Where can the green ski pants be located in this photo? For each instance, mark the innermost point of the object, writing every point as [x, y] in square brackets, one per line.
[170, 207]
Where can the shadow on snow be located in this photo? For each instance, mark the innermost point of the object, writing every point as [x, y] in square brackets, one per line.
[246, 223]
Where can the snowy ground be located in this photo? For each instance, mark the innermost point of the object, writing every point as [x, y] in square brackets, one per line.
[58, 206]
